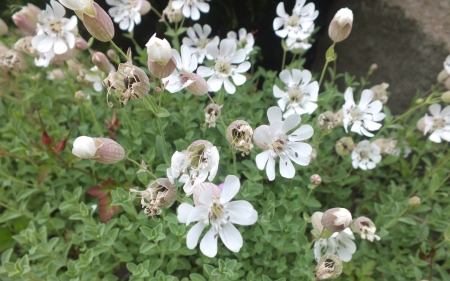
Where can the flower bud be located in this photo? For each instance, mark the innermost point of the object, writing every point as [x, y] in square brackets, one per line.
[326, 120]
[159, 193]
[3, 27]
[56, 74]
[101, 26]
[46, 139]
[421, 124]
[259, 143]
[442, 76]
[26, 19]
[379, 92]
[344, 146]
[316, 219]
[80, 95]
[366, 228]
[239, 134]
[341, 25]
[102, 62]
[336, 219]
[81, 7]
[447, 83]
[145, 7]
[112, 54]
[130, 82]
[199, 87]
[159, 51]
[329, 267]
[315, 179]
[445, 97]
[212, 113]
[162, 71]
[373, 67]
[103, 150]
[200, 188]
[81, 44]
[173, 15]
[414, 201]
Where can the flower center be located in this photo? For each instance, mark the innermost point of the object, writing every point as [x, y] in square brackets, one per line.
[293, 21]
[438, 123]
[55, 26]
[223, 67]
[355, 113]
[217, 216]
[295, 95]
[279, 145]
[202, 43]
[364, 154]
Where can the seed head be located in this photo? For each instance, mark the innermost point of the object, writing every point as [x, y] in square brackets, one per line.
[315, 179]
[344, 146]
[159, 193]
[212, 113]
[239, 135]
[329, 267]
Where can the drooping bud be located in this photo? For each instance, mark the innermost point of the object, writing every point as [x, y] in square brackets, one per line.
[201, 187]
[316, 219]
[162, 71]
[81, 44]
[336, 219]
[159, 193]
[26, 19]
[379, 92]
[315, 179]
[112, 54]
[239, 135]
[445, 97]
[341, 25]
[3, 27]
[159, 50]
[344, 146]
[212, 113]
[130, 82]
[366, 228]
[145, 7]
[421, 124]
[199, 87]
[326, 120]
[103, 150]
[414, 201]
[101, 26]
[329, 267]
[13, 61]
[102, 62]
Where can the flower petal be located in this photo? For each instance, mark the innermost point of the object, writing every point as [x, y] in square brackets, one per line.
[208, 245]
[241, 212]
[199, 213]
[274, 114]
[287, 170]
[290, 123]
[270, 168]
[194, 234]
[261, 159]
[302, 133]
[231, 237]
[183, 212]
[230, 189]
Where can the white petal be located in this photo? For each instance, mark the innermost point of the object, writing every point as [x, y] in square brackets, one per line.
[270, 168]
[59, 46]
[238, 57]
[243, 67]
[277, 92]
[208, 245]
[198, 213]
[194, 234]
[215, 83]
[229, 87]
[290, 123]
[204, 8]
[195, 13]
[366, 98]
[204, 71]
[302, 133]
[261, 159]
[286, 77]
[177, 4]
[183, 212]
[287, 170]
[435, 110]
[274, 114]
[230, 189]
[238, 79]
[231, 237]
[227, 47]
[296, 76]
[241, 212]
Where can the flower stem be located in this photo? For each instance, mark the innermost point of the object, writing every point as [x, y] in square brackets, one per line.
[136, 163]
[284, 59]
[330, 56]
[162, 136]
[234, 162]
[119, 50]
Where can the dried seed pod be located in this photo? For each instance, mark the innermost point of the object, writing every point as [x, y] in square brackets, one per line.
[159, 193]
[315, 179]
[13, 61]
[329, 267]
[240, 135]
[366, 228]
[326, 120]
[344, 146]
[129, 81]
[336, 219]
[24, 45]
[379, 92]
[212, 113]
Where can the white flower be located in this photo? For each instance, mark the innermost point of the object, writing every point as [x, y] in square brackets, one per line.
[125, 12]
[438, 124]
[366, 155]
[300, 95]
[363, 116]
[301, 40]
[278, 144]
[447, 64]
[221, 214]
[84, 147]
[191, 7]
[103, 150]
[159, 50]
[55, 34]
[301, 20]
[343, 17]
[194, 164]
[366, 228]
[186, 65]
[226, 60]
[80, 6]
[245, 41]
[198, 44]
[340, 244]
[94, 76]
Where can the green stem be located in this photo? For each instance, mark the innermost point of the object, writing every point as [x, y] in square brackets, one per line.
[15, 210]
[14, 179]
[328, 60]
[159, 15]
[284, 59]
[137, 164]
[306, 200]
[234, 162]
[119, 50]
[162, 136]
[94, 120]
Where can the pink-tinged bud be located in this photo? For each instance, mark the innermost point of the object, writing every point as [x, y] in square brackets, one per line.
[46, 139]
[341, 25]
[199, 87]
[81, 44]
[26, 19]
[61, 145]
[316, 219]
[103, 150]
[442, 76]
[3, 27]
[159, 50]
[421, 124]
[315, 179]
[259, 143]
[366, 228]
[102, 62]
[200, 188]
[336, 219]
[145, 7]
[80, 95]
[162, 71]
[100, 27]
[111, 54]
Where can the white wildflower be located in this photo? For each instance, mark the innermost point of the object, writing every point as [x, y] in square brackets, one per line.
[366, 155]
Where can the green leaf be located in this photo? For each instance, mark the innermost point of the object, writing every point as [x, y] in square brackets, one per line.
[197, 277]
[162, 112]
[407, 220]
